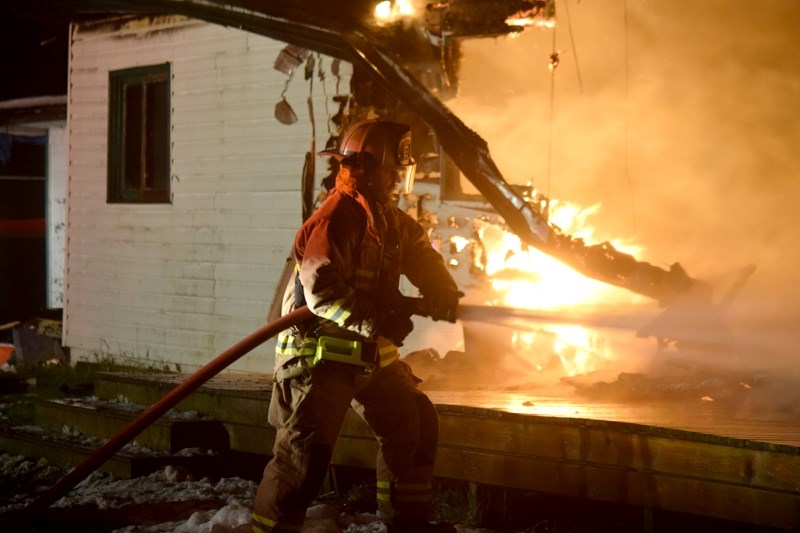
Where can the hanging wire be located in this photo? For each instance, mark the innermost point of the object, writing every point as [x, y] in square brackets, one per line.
[286, 84]
[574, 49]
[554, 60]
[627, 119]
[322, 79]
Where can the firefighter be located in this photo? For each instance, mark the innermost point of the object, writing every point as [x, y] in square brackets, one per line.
[349, 257]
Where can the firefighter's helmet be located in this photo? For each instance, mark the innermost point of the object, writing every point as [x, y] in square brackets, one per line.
[388, 144]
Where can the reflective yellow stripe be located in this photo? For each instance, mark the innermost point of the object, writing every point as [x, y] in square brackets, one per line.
[339, 311]
[287, 347]
[384, 491]
[387, 352]
[262, 523]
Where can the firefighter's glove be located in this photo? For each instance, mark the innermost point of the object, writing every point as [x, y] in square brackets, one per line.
[442, 304]
[395, 325]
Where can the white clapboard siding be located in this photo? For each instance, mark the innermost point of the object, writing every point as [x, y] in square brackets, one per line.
[179, 283]
[56, 213]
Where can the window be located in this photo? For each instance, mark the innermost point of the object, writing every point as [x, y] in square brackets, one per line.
[138, 135]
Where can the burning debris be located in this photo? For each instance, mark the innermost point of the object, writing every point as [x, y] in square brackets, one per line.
[685, 384]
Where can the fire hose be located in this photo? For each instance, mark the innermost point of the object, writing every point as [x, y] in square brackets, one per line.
[225, 359]
[168, 401]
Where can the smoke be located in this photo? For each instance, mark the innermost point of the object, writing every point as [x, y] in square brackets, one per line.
[681, 119]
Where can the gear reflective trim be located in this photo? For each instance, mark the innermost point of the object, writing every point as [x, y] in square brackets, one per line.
[387, 352]
[383, 491]
[339, 311]
[262, 524]
[287, 346]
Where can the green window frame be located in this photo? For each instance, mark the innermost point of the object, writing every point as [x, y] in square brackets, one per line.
[139, 135]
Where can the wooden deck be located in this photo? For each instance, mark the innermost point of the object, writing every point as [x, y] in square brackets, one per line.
[754, 423]
[704, 458]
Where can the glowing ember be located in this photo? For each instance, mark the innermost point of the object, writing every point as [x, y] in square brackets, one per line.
[707, 399]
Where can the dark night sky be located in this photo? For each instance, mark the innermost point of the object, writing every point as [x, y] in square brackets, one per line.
[34, 51]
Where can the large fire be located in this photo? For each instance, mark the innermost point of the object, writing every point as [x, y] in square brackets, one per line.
[526, 278]
[390, 11]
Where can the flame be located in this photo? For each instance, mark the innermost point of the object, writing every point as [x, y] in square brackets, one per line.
[391, 10]
[528, 21]
[524, 277]
[540, 15]
[529, 278]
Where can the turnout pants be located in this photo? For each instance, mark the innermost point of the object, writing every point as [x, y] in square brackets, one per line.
[308, 407]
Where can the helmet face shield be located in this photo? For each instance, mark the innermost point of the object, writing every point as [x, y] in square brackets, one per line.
[405, 175]
[389, 146]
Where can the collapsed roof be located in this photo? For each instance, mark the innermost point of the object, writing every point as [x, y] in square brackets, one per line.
[398, 55]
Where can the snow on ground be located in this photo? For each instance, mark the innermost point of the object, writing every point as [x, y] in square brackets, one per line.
[230, 498]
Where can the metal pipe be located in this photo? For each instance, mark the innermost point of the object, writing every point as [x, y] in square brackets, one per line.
[168, 401]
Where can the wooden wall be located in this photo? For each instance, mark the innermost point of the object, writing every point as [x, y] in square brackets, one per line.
[181, 282]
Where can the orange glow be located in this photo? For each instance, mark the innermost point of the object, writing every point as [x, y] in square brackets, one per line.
[526, 21]
[528, 278]
[524, 277]
[536, 16]
[390, 11]
[459, 242]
